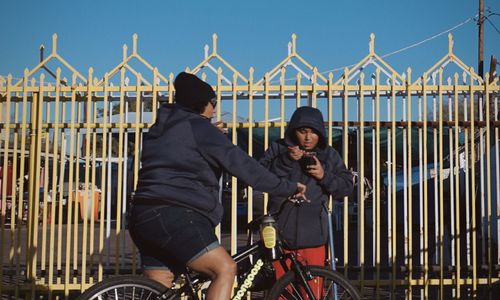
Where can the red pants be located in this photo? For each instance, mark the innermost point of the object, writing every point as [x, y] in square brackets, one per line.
[307, 256]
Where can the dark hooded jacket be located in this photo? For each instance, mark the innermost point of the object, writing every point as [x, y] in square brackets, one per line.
[306, 225]
[182, 158]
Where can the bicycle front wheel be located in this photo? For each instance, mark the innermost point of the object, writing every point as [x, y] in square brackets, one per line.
[324, 284]
[127, 287]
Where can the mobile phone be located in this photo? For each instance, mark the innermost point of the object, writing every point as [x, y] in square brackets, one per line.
[308, 159]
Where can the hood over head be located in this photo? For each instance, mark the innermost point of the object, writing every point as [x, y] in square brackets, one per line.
[306, 116]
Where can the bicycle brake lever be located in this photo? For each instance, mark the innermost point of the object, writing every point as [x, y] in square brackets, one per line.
[298, 200]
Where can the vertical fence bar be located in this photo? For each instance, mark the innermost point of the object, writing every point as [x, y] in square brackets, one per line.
[473, 184]
[488, 177]
[410, 196]
[456, 171]
[60, 190]
[6, 129]
[390, 175]
[109, 175]
[218, 232]
[21, 200]
[314, 84]
[35, 187]
[374, 177]
[345, 147]
[234, 181]
[452, 182]
[154, 95]
[118, 227]
[124, 181]
[78, 191]
[55, 158]
[45, 180]
[468, 228]
[361, 181]
[250, 139]
[377, 181]
[104, 187]
[441, 187]
[426, 199]
[393, 185]
[71, 194]
[423, 246]
[137, 141]
[282, 103]
[266, 121]
[94, 196]
[219, 110]
[483, 223]
[13, 220]
[85, 197]
[297, 90]
[497, 170]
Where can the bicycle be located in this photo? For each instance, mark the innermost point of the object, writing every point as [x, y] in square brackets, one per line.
[254, 265]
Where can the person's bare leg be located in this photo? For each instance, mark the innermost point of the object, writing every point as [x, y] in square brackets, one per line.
[164, 277]
[221, 268]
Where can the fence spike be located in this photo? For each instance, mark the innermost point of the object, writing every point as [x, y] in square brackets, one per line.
[206, 48]
[134, 44]
[372, 43]
[250, 74]
[124, 51]
[54, 43]
[450, 43]
[214, 44]
[294, 44]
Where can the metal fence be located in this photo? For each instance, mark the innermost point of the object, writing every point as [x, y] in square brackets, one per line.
[423, 221]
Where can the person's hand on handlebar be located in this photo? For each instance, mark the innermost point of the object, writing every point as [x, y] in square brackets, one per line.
[300, 194]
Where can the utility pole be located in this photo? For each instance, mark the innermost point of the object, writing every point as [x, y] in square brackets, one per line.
[480, 22]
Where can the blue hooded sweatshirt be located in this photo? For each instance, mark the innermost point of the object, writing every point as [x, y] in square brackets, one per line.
[305, 226]
[182, 158]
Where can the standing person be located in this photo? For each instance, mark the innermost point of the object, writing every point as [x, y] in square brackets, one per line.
[176, 205]
[304, 155]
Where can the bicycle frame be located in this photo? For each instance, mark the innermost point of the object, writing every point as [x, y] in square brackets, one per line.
[251, 273]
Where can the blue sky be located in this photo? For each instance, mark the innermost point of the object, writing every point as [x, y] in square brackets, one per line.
[172, 34]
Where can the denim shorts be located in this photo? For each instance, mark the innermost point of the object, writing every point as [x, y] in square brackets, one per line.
[169, 236]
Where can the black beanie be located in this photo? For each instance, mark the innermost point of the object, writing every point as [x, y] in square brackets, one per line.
[192, 92]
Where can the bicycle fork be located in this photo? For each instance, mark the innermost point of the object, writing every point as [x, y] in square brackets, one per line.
[304, 276]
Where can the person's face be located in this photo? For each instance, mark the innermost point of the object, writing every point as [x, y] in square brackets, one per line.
[210, 108]
[307, 138]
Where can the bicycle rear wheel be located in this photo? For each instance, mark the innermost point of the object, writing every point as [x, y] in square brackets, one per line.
[326, 284]
[127, 287]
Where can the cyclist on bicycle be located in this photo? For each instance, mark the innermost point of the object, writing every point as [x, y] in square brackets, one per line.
[304, 155]
[176, 204]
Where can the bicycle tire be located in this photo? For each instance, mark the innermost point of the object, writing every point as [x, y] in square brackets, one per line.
[289, 286]
[127, 287]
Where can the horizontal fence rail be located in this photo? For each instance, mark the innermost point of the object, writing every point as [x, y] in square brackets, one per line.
[422, 221]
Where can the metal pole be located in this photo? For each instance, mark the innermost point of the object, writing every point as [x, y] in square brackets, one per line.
[331, 247]
[480, 22]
